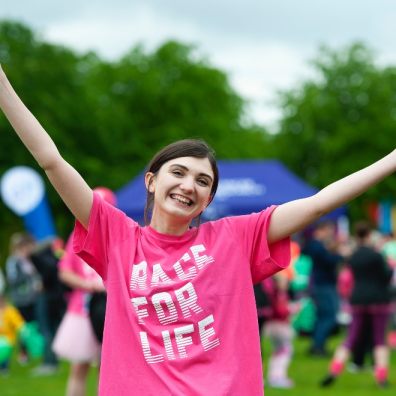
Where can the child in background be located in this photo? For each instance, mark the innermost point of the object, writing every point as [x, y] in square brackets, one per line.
[75, 339]
[11, 322]
[23, 281]
[278, 329]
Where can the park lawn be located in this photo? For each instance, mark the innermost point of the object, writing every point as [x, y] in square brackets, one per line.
[305, 371]
[21, 382]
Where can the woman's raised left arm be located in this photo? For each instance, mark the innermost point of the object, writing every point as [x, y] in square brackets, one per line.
[295, 215]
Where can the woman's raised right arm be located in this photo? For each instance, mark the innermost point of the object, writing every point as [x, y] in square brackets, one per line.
[69, 184]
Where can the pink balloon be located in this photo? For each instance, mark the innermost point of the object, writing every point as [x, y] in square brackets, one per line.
[106, 194]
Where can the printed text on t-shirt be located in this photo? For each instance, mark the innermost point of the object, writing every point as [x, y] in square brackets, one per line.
[171, 306]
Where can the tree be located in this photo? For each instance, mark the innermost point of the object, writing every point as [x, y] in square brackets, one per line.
[341, 120]
[108, 118]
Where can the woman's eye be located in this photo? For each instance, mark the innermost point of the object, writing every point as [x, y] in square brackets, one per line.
[177, 173]
[203, 182]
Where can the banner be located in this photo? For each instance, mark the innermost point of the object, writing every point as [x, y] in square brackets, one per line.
[383, 214]
[23, 191]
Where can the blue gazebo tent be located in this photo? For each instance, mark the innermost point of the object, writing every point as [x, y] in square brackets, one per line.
[245, 186]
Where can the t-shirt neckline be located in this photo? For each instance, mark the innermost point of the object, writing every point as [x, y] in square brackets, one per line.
[168, 237]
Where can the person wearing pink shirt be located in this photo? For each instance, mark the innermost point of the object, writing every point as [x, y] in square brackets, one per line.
[181, 316]
[75, 340]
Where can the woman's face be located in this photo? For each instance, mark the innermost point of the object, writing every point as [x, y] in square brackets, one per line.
[181, 189]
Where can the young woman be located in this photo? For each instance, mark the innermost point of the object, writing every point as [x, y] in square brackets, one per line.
[370, 306]
[181, 317]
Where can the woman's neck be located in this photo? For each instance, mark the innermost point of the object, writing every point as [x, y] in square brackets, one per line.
[162, 225]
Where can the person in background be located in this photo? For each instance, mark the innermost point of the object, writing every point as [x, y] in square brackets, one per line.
[321, 249]
[24, 282]
[278, 330]
[388, 249]
[51, 303]
[2, 282]
[11, 322]
[369, 302]
[75, 339]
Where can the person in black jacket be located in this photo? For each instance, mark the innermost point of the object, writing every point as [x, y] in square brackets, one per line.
[51, 304]
[325, 260]
[370, 301]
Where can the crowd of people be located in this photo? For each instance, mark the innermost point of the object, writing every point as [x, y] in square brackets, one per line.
[363, 302]
[36, 297]
[47, 288]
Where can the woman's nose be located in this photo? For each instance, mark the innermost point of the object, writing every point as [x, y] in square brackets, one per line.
[187, 184]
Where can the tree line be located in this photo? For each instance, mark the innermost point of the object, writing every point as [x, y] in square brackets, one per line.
[109, 117]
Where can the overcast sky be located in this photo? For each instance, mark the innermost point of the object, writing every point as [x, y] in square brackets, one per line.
[264, 45]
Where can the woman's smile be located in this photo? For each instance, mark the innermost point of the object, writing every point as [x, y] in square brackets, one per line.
[182, 199]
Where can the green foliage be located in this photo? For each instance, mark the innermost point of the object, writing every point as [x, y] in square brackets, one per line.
[108, 118]
[340, 121]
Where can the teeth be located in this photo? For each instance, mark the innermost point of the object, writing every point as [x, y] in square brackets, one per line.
[181, 199]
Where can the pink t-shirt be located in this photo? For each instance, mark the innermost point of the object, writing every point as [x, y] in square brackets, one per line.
[181, 316]
[77, 299]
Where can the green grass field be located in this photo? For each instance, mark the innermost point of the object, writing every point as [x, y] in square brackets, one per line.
[21, 382]
[305, 371]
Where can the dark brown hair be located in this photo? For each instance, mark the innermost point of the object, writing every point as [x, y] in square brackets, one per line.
[362, 229]
[182, 148]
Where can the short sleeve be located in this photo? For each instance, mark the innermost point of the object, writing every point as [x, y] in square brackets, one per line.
[265, 259]
[107, 227]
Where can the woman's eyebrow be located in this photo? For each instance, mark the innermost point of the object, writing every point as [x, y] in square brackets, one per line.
[187, 169]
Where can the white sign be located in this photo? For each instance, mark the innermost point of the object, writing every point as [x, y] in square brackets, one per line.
[243, 187]
[22, 189]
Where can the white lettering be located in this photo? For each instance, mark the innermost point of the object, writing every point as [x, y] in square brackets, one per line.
[206, 333]
[188, 298]
[147, 351]
[141, 313]
[182, 341]
[183, 337]
[191, 274]
[139, 276]
[159, 276]
[167, 299]
[202, 261]
[168, 345]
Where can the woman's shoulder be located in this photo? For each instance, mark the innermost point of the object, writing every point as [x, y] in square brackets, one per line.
[237, 223]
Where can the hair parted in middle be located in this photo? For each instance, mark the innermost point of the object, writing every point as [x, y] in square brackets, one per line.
[182, 148]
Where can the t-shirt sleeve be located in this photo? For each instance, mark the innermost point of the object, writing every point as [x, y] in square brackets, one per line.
[107, 228]
[265, 259]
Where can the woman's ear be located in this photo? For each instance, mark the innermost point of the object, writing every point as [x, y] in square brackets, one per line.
[149, 182]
